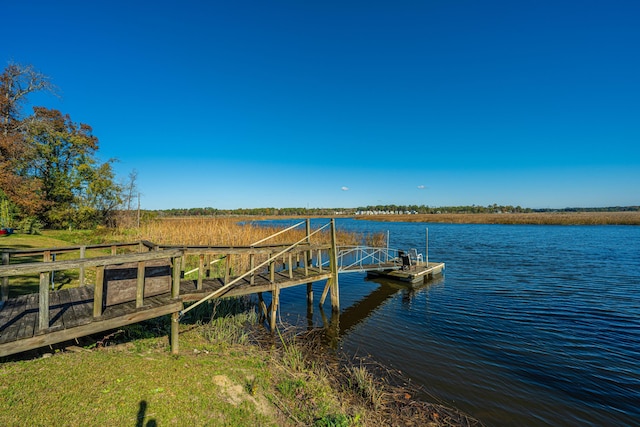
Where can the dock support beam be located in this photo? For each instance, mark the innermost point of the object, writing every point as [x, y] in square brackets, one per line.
[333, 254]
[175, 330]
[275, 302]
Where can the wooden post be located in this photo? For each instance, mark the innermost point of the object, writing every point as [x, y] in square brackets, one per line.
[227, 269]
[175, 330]
[275, 301]
[114, 250]
[263, 306]
[43, 304]
[319, 257]
[272, 272]
[98, 290]
[208, 266]
[200, 272]
[175, 283]
[308, 256]
[6, 258]
[140, 285]
[175, 317]
[83, 250]
[252, 265]
[290, 266]
[333, 260]
[309, 293]
[325, 292]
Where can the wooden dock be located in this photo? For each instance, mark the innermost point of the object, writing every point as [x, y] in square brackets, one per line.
[413, 275]
[149, 281]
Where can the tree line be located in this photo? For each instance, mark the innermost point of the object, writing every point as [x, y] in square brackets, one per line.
[373, 209]
[50, 175]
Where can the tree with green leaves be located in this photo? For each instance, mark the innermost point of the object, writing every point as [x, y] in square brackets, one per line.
[48, 166]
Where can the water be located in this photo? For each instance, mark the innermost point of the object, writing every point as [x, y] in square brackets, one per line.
[530, 325]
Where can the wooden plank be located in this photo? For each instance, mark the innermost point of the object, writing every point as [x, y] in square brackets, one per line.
[10, 315]
[37, 267]
[43, 305]
[121, 281]
[82, 306]
[56, 310]
[140, 284]
[29, 317]
[98, 292]
[87, 329]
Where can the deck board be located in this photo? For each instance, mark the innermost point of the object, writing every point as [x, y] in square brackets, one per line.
[71, 309]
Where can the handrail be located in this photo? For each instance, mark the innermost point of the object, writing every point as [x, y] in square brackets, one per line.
[46, 267]
[224, 288]
[278, 233]
[67, 249]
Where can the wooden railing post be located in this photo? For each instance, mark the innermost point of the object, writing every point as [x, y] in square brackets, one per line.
[333, 261]
[83, 250]
[6, 259]
[252, 264]
[98, 291]
[175, 283]
[175, 317]
[140, 285]
[227, 269]
[43, 303]
[275, 301]
[200, 272]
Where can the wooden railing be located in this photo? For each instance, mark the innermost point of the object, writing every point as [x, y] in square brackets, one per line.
[45, 268]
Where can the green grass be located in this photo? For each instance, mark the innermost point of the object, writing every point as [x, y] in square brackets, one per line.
[139, 383]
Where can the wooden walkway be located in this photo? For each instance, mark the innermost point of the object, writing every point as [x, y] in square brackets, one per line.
[71, 310]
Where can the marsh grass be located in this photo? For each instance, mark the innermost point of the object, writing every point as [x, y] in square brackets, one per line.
[535, 218]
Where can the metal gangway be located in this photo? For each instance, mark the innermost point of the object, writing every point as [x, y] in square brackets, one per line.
[357, 259]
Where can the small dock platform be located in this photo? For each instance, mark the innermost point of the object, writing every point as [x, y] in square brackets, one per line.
[413, 274]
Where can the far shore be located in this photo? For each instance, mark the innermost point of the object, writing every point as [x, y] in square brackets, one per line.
[539, 218]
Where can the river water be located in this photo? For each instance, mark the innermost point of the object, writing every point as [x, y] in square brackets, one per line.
[529, 325]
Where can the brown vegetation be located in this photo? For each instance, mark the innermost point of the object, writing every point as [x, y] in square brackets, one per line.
[548, 218]
[228, 231]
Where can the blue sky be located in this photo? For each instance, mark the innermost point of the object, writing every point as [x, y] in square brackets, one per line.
[349, 103]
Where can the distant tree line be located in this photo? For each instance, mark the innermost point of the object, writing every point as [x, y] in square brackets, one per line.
[377, 209]
[50, 175]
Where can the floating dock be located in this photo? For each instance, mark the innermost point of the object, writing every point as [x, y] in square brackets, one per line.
[413, 274]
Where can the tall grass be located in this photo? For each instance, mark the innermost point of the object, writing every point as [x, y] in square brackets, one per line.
[541, 218]
[227, 231]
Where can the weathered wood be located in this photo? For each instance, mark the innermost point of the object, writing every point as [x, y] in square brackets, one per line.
[309, 293]
[252, 264]
[98, 292]
[6, 259]
[333, 264]
[175, 282]
[227, 269]
[83, 250]
[175, 330]
[43, 305]
[200, 271]
[140, 285]
[121, 281]
[275, 301]
[37, 267]
[290, 266]
[87, 329]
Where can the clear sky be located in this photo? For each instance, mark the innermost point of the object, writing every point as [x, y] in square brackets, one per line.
[242, 103]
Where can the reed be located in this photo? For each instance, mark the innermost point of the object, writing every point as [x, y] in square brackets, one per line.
[538, 218]
[228, 231]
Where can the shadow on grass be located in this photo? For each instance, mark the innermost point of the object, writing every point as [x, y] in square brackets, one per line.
[142, 414]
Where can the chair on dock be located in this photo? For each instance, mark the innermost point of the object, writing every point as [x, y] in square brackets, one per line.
[406, 260]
